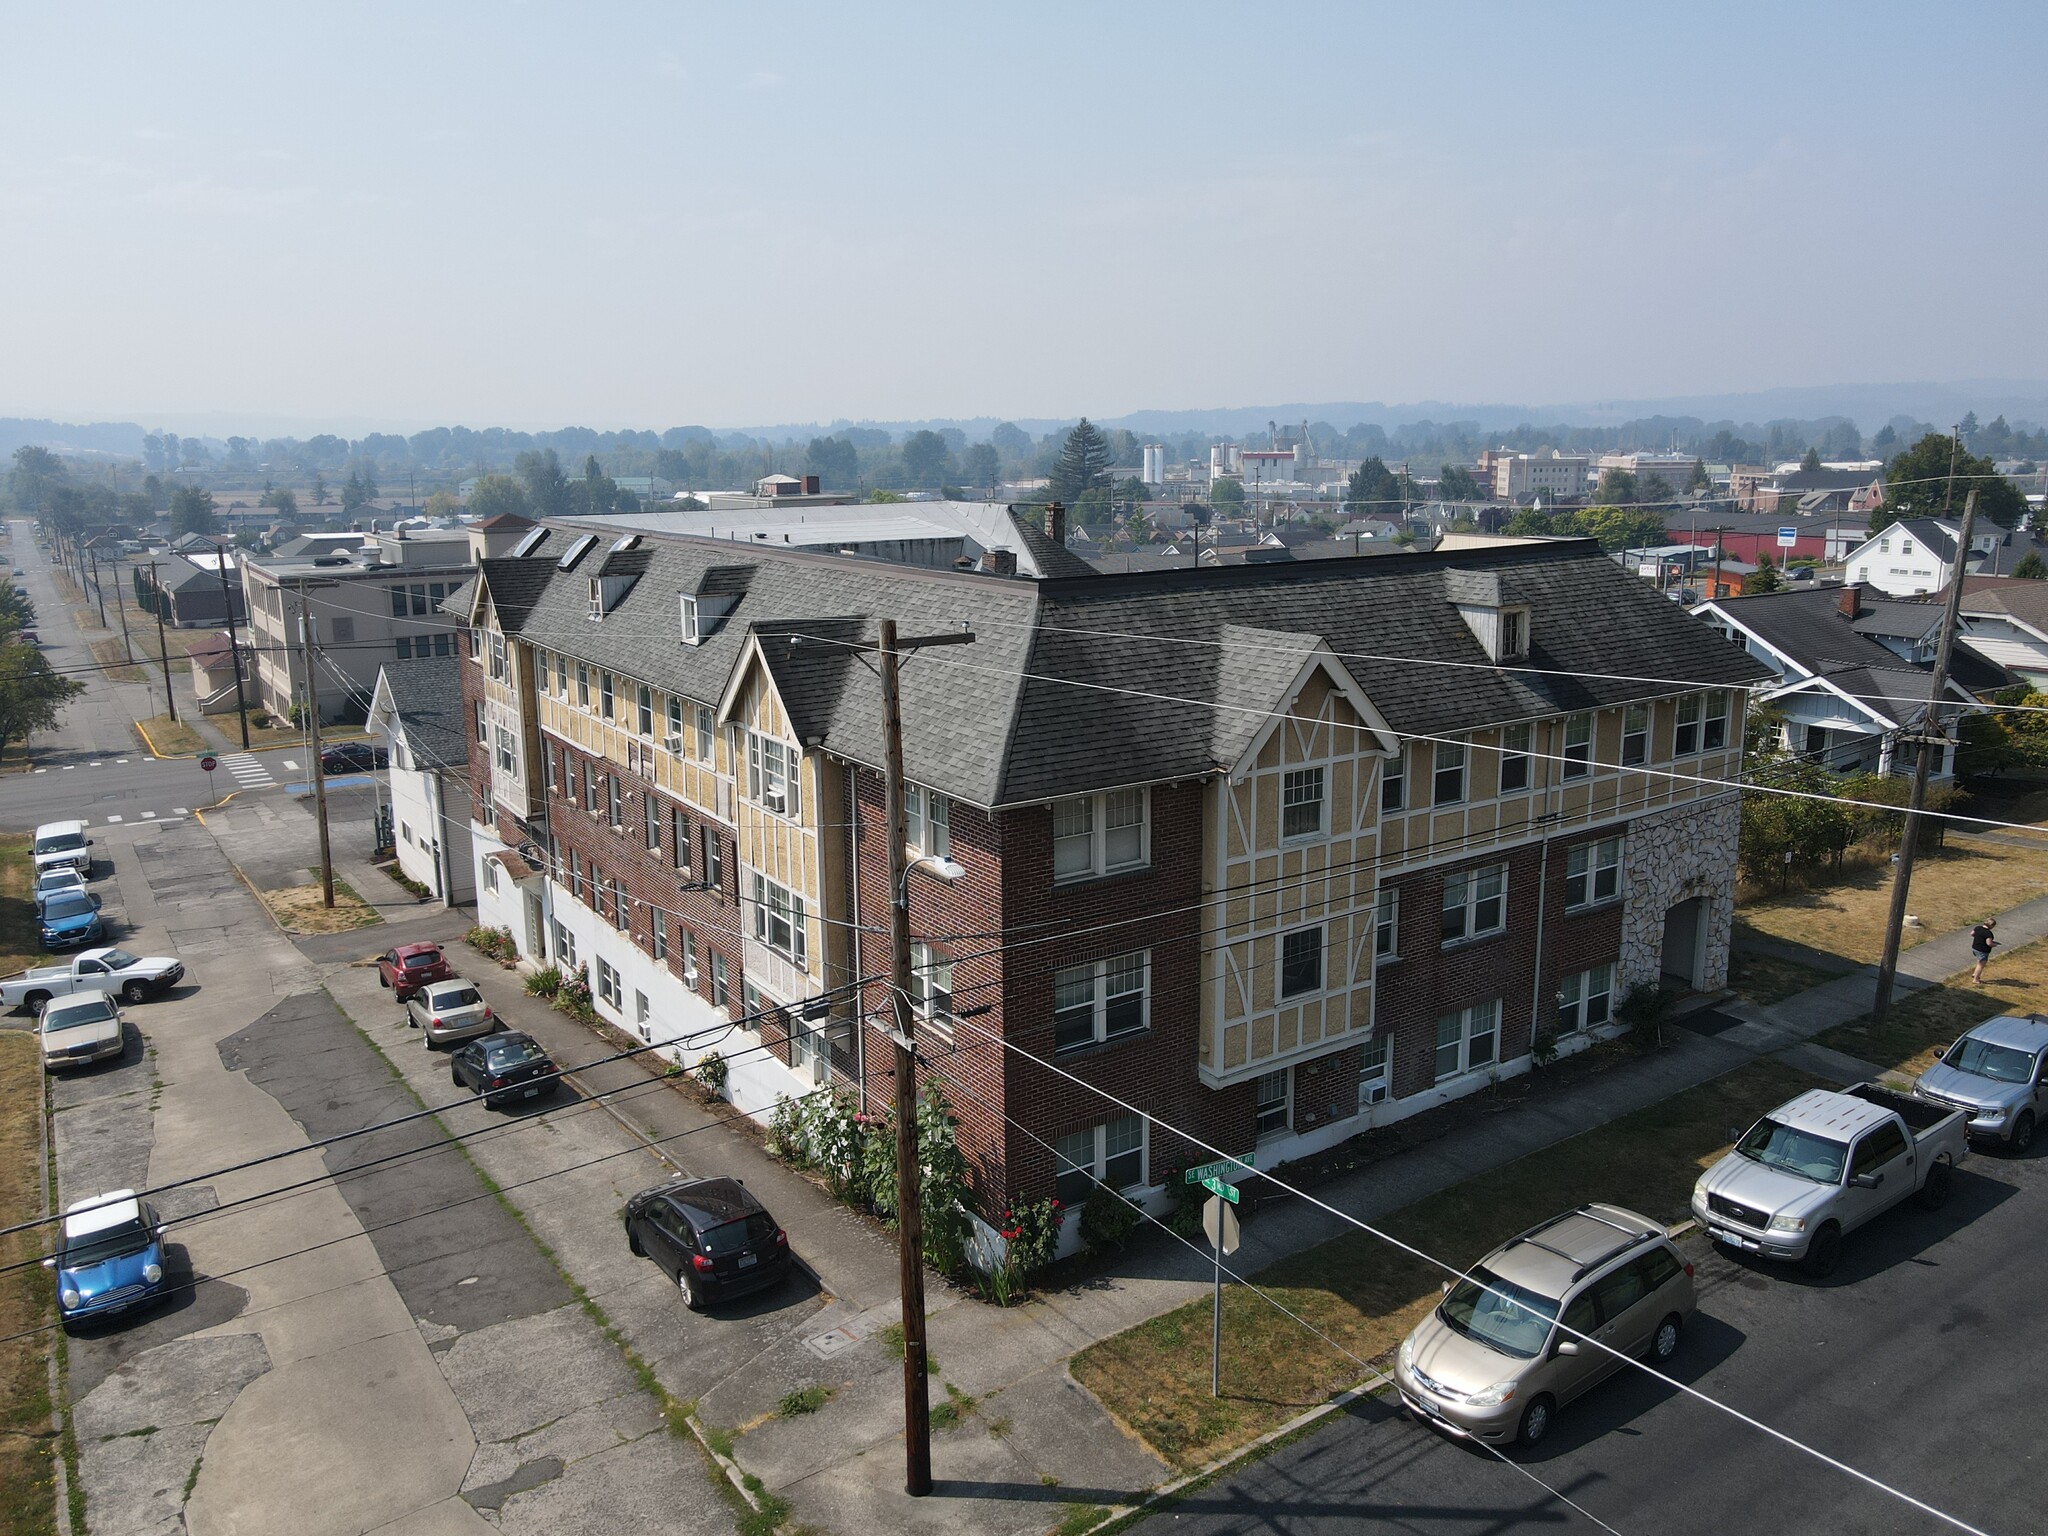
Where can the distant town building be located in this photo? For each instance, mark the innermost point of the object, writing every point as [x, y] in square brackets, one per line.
[1521, 477]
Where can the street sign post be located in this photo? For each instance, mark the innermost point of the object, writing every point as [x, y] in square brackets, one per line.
[1221, 1190]
[1219, 1221]
[1219, 1168]
[1216, 1214]
[1788, 538]
[209, 763]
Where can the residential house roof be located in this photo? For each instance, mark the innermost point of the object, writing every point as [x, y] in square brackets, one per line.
[427, 698]
[1093, 681]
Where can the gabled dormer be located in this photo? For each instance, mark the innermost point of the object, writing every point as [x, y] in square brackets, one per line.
[1498, 620]
[718, 593]
[623, 565]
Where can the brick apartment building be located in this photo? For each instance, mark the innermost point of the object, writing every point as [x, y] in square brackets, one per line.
[1278, 852]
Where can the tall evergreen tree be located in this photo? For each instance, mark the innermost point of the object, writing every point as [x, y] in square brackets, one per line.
[1084, 464]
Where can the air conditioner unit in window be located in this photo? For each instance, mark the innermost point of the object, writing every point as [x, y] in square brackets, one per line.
[775, 800]
[673, 744]
[1374, 1092]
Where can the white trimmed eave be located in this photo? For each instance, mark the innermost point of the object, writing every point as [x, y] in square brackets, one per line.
[1322, 659]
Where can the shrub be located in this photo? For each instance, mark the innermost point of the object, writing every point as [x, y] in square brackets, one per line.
[497, 943]
[1031, 1235]
[711, 1071]
[785, 1135]
[1107, 1218]
[406, 882]
[546, 982]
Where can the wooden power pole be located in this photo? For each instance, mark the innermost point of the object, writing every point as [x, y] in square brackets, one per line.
[313, 748]
[163, 647]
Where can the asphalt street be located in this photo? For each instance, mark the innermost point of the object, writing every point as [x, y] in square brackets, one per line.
[1916, 1362]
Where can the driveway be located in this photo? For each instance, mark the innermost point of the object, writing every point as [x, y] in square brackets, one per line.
[1917, 1362]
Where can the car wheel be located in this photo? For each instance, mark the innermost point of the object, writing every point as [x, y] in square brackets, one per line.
[633, 1244]
[1940, 1184]
[134, 993]
[2023, 1132]
[454, 1074]
[383, 980]
[37, 1002]
[1664, 1344]
[1824, 1252]
[1536, 1421]
[690, 1297]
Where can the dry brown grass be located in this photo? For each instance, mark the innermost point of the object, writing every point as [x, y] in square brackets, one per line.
[171, 738]
[1921, 1024]
[28, 1445]
[20, 936]
[114, 663]
[298, 909]
[1953, 889]
[1365, 1296]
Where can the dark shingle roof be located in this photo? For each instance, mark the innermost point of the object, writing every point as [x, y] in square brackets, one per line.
[428, 697]
[1050, 556]
[1933, 535]
[515, 585]
[1098, 680]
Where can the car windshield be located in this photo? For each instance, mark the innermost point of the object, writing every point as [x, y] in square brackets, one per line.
[734, 1236]
[512, 1051]
[68, 906]
[60, 879]
[457, 997]
[98, 1247]
[422, 961]
[119, 960]
[92, 1011]
[60, 842]
[1980, 1058]
[1508, 1317]
[1801, 1152]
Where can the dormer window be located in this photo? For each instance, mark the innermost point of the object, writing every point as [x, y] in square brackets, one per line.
[1497, 622]
[1514, 634]
[693, 634]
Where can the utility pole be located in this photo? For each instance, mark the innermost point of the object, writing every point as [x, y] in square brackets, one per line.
[227, 598]
[121, 608]
[99, 594]
[917, 1419]
[313, 726]
[1930, 737]
[163, 649]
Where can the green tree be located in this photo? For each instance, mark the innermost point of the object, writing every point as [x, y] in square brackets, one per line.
[32, 697]
[442, 504]
[36, 472]
[980, 465]
[281, 500]
[1227, 496]
[1811, 462]
[1764, 578]
[320, 495]
[835, 462]
[1620, 527]
[1084, 464]
[1699, 479]
[1654, 489]
[496, 494]
[2031, 567]
[1457, 483]
[1917, 485]
[881, 498]
[546, 486]
[192, 511]
[1617, 488]
[1375, 490]
[354, 495]
[926, 458]
[599, 492]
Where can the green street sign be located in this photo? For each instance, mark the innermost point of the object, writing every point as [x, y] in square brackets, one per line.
[1217, 1170]
[1221, 1190]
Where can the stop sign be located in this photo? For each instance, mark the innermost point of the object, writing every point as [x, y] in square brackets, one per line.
[209, 763]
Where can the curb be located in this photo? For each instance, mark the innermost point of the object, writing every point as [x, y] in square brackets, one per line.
[162, 756]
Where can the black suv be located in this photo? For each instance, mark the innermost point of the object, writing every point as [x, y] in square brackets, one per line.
[353, 757]
[712, 1237]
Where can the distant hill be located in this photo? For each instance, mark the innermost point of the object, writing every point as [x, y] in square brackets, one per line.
[122, 438]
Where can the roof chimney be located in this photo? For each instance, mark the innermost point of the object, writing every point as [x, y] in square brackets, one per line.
[1056, 523]
[1852, 599]
[999, 562]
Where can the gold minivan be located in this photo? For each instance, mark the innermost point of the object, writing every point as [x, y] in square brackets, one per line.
[1493, 1363]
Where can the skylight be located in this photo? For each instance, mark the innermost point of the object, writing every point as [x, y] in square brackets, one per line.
[529, 544]
[575, 552]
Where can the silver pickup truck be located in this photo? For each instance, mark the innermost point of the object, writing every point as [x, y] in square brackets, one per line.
[1824, 1164]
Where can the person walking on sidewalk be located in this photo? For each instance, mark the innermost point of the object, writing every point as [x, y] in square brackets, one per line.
[1981, 942]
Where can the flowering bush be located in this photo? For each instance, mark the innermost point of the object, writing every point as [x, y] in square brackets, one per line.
[1032, 1231]
[711, 1072]
[497, 943]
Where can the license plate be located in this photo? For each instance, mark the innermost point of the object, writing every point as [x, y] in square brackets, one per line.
[747, 1259]
[531, 1093]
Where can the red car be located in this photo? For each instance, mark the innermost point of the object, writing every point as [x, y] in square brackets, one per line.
[411, 966]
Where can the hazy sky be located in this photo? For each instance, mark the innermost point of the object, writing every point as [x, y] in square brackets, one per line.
[649, 215]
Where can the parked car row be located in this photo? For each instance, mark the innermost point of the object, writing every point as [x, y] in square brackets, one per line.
[1553, 1311]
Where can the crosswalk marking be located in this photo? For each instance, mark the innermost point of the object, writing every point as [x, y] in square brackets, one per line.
[248, 770]
[146, 816]
[178, 810]
[291, 764]
[113, 818]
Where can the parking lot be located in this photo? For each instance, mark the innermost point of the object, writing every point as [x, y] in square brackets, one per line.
[1917, 1362]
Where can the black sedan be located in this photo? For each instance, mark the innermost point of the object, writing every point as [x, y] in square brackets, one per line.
[711, 1236]
[506, 1068]
[353, 757]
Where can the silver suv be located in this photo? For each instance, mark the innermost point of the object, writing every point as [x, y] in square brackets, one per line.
[1493, 1363]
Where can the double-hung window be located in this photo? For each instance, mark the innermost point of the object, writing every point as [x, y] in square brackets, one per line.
[1578, 746]
[771, 774]
[590, 788]
[606, 695]
[689, 956]
[643, 710]
[622, 908]
[931, 984]
[651, 814]
[1272, 1099]
[1468, 1039]
[582, 686]
[1514, 759]
[657, 932]
[1475, 903]
[1394, 780]
[1375, 1072]
[714, 858]
[1301, 961]
[1685, 735]
[1584, 999]
[569, 775]
[1715, 736]
[609, 989]
[498, 668]
[704, 743]
[483, 724]
[679, 837]
[1448, 784]
[561, 674]
[1386, 924]
[1112, 1155]
[507, 758]
[1100, 834]
[721, 992]
[779, 919]
[927, 821]
[674, 733]
[1592, 873]
[1301, 803]
[1635, 735]
[1101, 1000]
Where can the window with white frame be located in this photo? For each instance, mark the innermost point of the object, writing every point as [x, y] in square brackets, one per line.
[614, 802]
[1376, 1071]
[1578, 746]
[1475, 903]
[1394, 780]
[1592, 873]
[1635, 735]
[1685, 734]
[810, 1046]
[689, 956]
[1514, 759]
[643, 709]
[931, 984]
[569, 775]
[1101, 1000]
[561, 675]
[1272, 1099]
[508, 760]
[1301, 961]
[483, 724]
[592, 782]
[1447, 786]
[622, 909]
[1112, 1155]
[549, 774]
[582, 686]
[771, 774]
[704, 735]
[1467, 1040]
[609, 989]
[657, 932]
[1386, 924]
[1514, 633]
[607, 695]
[679, 837]
[499, 669]
[1301, 803]
[927, 821]
[721, 994]
[674, 733]
[565, 947]
[490, 874]
[1584, 999]
[779, 919]
[1100, 834]
[650, 810]
[1715, 735]
[714, 858]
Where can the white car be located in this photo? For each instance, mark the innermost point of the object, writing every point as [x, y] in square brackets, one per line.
[63, 845]
[56, 880]
[77, 1031]
[134, 977]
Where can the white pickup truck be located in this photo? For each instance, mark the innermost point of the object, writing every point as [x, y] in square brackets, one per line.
[1822, 1165]
[133, 977]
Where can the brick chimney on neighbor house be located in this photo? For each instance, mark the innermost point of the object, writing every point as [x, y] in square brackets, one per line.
[1056, 523]
[1852, 599]
[999, 562]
